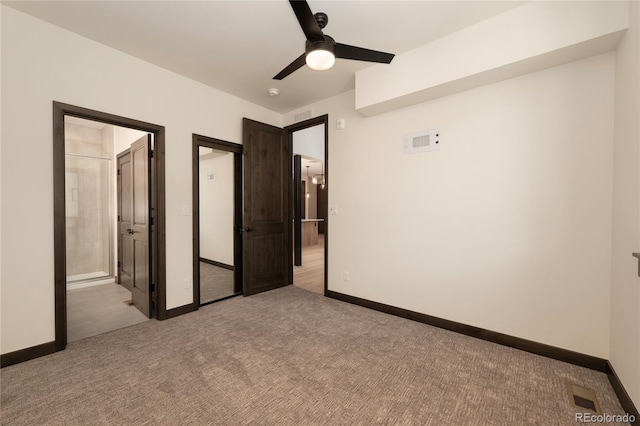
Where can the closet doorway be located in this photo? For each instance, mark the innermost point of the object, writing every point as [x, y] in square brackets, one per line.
[217, 219]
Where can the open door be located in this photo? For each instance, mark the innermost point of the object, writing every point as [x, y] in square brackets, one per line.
[266, 222]
[125, 239]
[140, 224]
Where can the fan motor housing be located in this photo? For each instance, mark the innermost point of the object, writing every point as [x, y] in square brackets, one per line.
[322, 19]
[327, 44]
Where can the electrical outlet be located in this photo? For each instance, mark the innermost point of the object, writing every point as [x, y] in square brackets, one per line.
[345, 276]
[187, 283]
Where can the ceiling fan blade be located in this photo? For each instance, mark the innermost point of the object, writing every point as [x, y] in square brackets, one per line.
[361, 54]
[293, 66]
[307, 21]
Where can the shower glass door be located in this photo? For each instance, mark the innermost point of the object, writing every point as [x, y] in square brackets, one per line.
[88, 213]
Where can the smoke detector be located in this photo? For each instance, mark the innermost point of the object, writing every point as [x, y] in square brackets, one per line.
[273, 91]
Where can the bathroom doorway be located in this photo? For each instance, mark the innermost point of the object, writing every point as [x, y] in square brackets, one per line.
[101, 200]
[91, 180]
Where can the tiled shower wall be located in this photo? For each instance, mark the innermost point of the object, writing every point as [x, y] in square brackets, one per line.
[88, 181]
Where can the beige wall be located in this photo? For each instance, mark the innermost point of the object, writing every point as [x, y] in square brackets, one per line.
[124, 137]
[216, 208]
[507, 228]
[309, 143]
[42, 63]
[625, 284]
[1, 180]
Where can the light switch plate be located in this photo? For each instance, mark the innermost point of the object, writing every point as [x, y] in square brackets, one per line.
[333, 210]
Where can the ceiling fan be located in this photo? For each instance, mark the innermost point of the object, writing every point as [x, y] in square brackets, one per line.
[322, 50]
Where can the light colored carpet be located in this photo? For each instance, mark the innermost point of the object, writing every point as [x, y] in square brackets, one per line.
[215, 282]
[291, 357]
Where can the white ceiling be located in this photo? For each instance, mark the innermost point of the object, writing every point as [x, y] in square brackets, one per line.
[238, 46]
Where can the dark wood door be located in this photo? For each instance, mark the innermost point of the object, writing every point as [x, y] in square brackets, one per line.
[267, 200]
[140, 226]
[125, 238]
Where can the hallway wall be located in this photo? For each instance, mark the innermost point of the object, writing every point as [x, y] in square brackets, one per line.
[217, 207]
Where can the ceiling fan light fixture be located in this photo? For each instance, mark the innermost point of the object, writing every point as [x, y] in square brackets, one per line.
[321, 50]
[320, 56]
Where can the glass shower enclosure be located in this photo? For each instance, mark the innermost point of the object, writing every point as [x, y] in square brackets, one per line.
[89, 204]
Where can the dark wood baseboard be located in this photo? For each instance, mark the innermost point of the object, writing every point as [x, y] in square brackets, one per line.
[181, 310]
[27, 354]
[576, 358]
[218, 264]
[32, 352]
[623, 396]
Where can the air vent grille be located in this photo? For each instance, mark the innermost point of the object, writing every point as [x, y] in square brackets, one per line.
[583, 398]
[427, 140]
[421, 141]
[584, 403]
[303, 115]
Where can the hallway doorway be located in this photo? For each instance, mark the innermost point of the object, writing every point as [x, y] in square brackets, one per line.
[310, 189]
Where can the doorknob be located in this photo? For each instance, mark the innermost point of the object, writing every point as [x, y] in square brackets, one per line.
[130, 231]
[245, 229]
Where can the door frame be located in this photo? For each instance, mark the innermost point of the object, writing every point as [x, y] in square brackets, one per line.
[236, 149]
[323, 119]
[158, 246]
